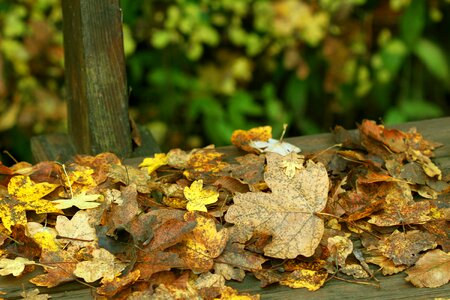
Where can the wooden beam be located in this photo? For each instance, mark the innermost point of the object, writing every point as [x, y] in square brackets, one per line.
[96, 77]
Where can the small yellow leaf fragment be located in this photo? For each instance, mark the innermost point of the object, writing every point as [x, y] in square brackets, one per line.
[293, 163]
[198, 198]
[13, 266]
[309, 279]
[153, 163]
[45, 237]
[46, 240]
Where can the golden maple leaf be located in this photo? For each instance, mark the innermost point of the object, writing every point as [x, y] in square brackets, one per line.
[198, 198]
[23, 194]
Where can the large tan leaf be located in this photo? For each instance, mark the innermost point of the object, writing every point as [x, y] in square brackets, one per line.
[431, 270]
[288, 213]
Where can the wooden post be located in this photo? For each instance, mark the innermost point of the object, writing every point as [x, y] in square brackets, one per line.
[97, 91]
[96, 77]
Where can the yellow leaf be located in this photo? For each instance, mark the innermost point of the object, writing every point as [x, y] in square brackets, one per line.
[198, 198]
[45, 237]
[24, 194]
[153, 163]
[203, 244]
[24, 189]
[13, 266]
[309, 279]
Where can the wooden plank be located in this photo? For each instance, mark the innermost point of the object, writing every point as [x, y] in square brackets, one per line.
[392, 287]
[57, 146]
[95, 75]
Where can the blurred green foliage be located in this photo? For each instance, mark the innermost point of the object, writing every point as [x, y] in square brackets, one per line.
[198, 69]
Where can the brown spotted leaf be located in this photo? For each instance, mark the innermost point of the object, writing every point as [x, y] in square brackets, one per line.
[288, 212]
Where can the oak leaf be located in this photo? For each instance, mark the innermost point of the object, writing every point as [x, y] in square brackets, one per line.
[431, 270]
[198, 197]
[23, 194]
[288, 213]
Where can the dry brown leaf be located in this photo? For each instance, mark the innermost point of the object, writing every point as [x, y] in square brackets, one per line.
[151, 262]
[404, 248]
[387, 266]
[288, 213]
[111, 287]
[203, 244]
[431, 270]
[59, 266]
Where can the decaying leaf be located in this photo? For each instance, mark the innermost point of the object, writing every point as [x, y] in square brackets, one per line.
[205, 164]
[111, 287]
[309, 279]
[431, 270]
[198, 197]
[243, 138]
[203, 244]
[404, 248]
[288, 212]
[59, 267]
[23, 194]
[45, 237]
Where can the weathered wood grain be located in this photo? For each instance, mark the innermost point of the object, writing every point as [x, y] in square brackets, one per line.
[97, 91]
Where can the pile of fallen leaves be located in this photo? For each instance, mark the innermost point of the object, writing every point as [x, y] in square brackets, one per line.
[183, 223]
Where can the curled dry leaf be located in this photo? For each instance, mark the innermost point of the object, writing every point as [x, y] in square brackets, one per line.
[431, 270]
[242, 138]
[288, 213]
